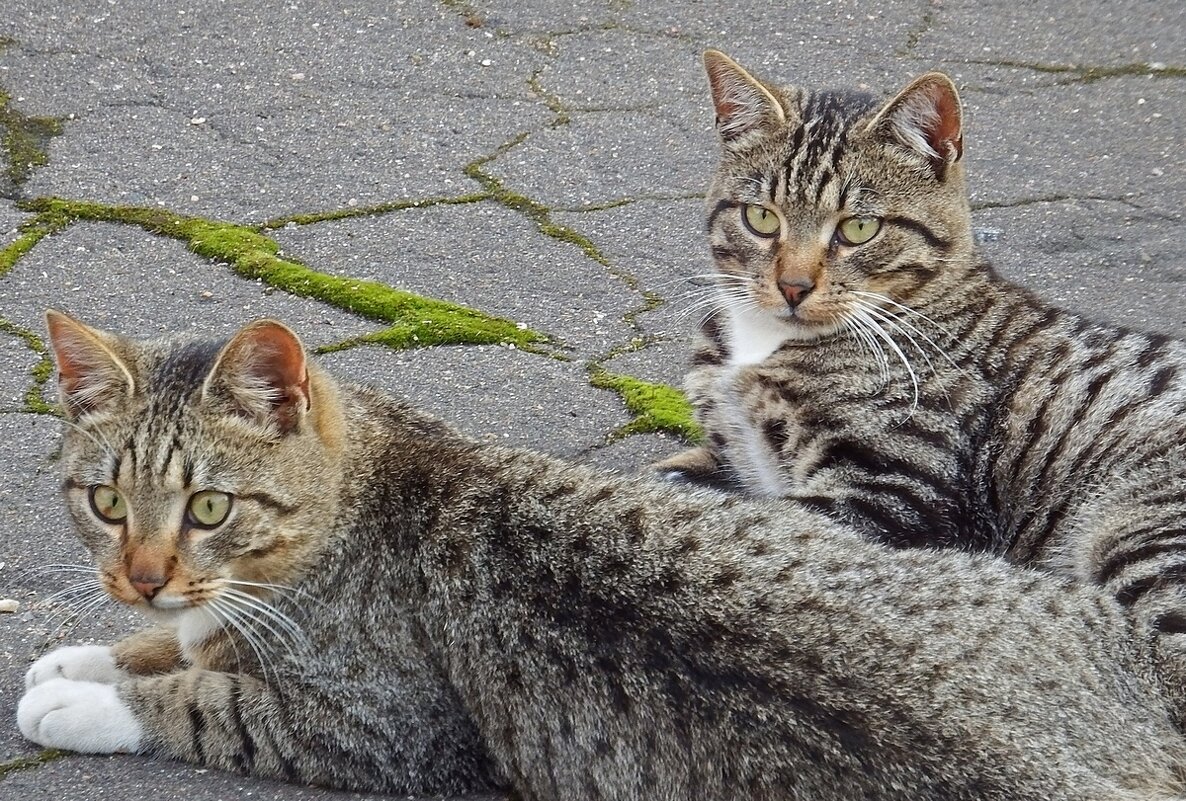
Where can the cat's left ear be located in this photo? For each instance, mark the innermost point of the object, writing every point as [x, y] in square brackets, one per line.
[925, 118]
[263, 374]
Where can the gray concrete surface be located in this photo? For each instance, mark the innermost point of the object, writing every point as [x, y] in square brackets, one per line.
[588, 132]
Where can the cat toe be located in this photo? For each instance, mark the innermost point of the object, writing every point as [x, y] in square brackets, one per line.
[81, 716]
[77, 662]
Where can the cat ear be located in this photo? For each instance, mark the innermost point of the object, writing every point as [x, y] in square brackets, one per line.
[742, 102]
[91, 376]
[925, 118]
[263, 375]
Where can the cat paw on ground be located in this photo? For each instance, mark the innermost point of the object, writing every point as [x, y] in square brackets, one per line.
[90, 663]
[82, 716]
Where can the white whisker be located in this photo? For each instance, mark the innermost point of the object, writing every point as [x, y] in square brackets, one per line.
[885, 337]
[244, 624]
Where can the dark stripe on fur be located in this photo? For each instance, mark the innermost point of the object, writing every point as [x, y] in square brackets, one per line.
[263, 499]
[934, 240]
[1133, 592]
[717, 210]
[1141, 554]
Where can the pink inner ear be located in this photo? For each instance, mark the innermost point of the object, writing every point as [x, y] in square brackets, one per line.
[284, 363]
[265, 372]
[88, 374]
[719, 82]
[68, 343]
[944, 135]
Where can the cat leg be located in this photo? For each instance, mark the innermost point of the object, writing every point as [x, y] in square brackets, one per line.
[149, 651]
[694, 464]
[411, 740]
[84, 716]
[79, 663]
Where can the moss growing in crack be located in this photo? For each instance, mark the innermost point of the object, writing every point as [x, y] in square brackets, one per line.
[371, 211]
[23, 139]
[40, 373]
[29, 234]
[551, 100]
[656, 407]
[252, 255]
[1091, 74]
[537, 212]
[29, 762]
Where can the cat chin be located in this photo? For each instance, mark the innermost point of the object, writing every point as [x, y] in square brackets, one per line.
[807, 333]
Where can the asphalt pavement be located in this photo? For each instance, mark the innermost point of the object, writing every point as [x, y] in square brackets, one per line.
[169, 166]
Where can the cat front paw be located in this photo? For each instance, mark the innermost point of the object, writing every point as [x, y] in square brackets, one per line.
[82, 716]
[78, 662]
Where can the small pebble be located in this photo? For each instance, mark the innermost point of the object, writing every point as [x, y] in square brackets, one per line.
[8, 606]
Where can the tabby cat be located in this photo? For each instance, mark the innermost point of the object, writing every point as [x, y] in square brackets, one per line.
[348, 593]
[862, 357]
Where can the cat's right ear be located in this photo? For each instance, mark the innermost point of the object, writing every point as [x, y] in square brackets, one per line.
[91, 376]
[261, 373]
[742, 103]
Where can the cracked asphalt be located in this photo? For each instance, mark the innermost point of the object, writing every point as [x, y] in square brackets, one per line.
[539, 162]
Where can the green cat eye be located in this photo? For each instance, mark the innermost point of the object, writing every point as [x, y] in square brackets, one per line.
[858, 230]
[107, 504]
[761, 220]
[208, 508]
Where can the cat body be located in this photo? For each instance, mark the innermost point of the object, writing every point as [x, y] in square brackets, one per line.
[863, 359]
[461, 617]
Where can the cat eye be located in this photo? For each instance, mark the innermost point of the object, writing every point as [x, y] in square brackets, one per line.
[858, 230]
[761, 221]
[107, 504]
[208, 508]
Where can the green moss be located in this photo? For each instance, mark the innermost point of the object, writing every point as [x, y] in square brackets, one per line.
[656, 407]
[535, 211]
[371, 211]
[915, 35]
[29, 762]
[23, 139]
[30, 233]
[424, 321]
[550, 100]
[40, 373]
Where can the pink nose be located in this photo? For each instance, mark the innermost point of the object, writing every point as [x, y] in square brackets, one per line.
[795, 289]
[147, 585]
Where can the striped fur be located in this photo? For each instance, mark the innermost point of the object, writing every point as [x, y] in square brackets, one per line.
[914, 393]
[470, 617]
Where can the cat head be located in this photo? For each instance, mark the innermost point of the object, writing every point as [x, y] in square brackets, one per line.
[199, 474]
[828, 203]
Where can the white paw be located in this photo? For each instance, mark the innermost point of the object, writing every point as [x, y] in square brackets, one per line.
[77, 662]
[78, 716]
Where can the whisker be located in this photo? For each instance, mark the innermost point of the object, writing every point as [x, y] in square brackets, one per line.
[286, 631]
[889, 340]
[895, 324]
[244, 625]
[282, 589]
[868, 341]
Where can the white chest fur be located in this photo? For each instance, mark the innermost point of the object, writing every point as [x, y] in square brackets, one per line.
[194, 626]
[752, 336]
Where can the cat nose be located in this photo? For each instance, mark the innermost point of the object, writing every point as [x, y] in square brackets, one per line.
[147, 584]
[795, 289]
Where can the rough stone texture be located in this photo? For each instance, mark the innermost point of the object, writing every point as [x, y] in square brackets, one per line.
[590, 132]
